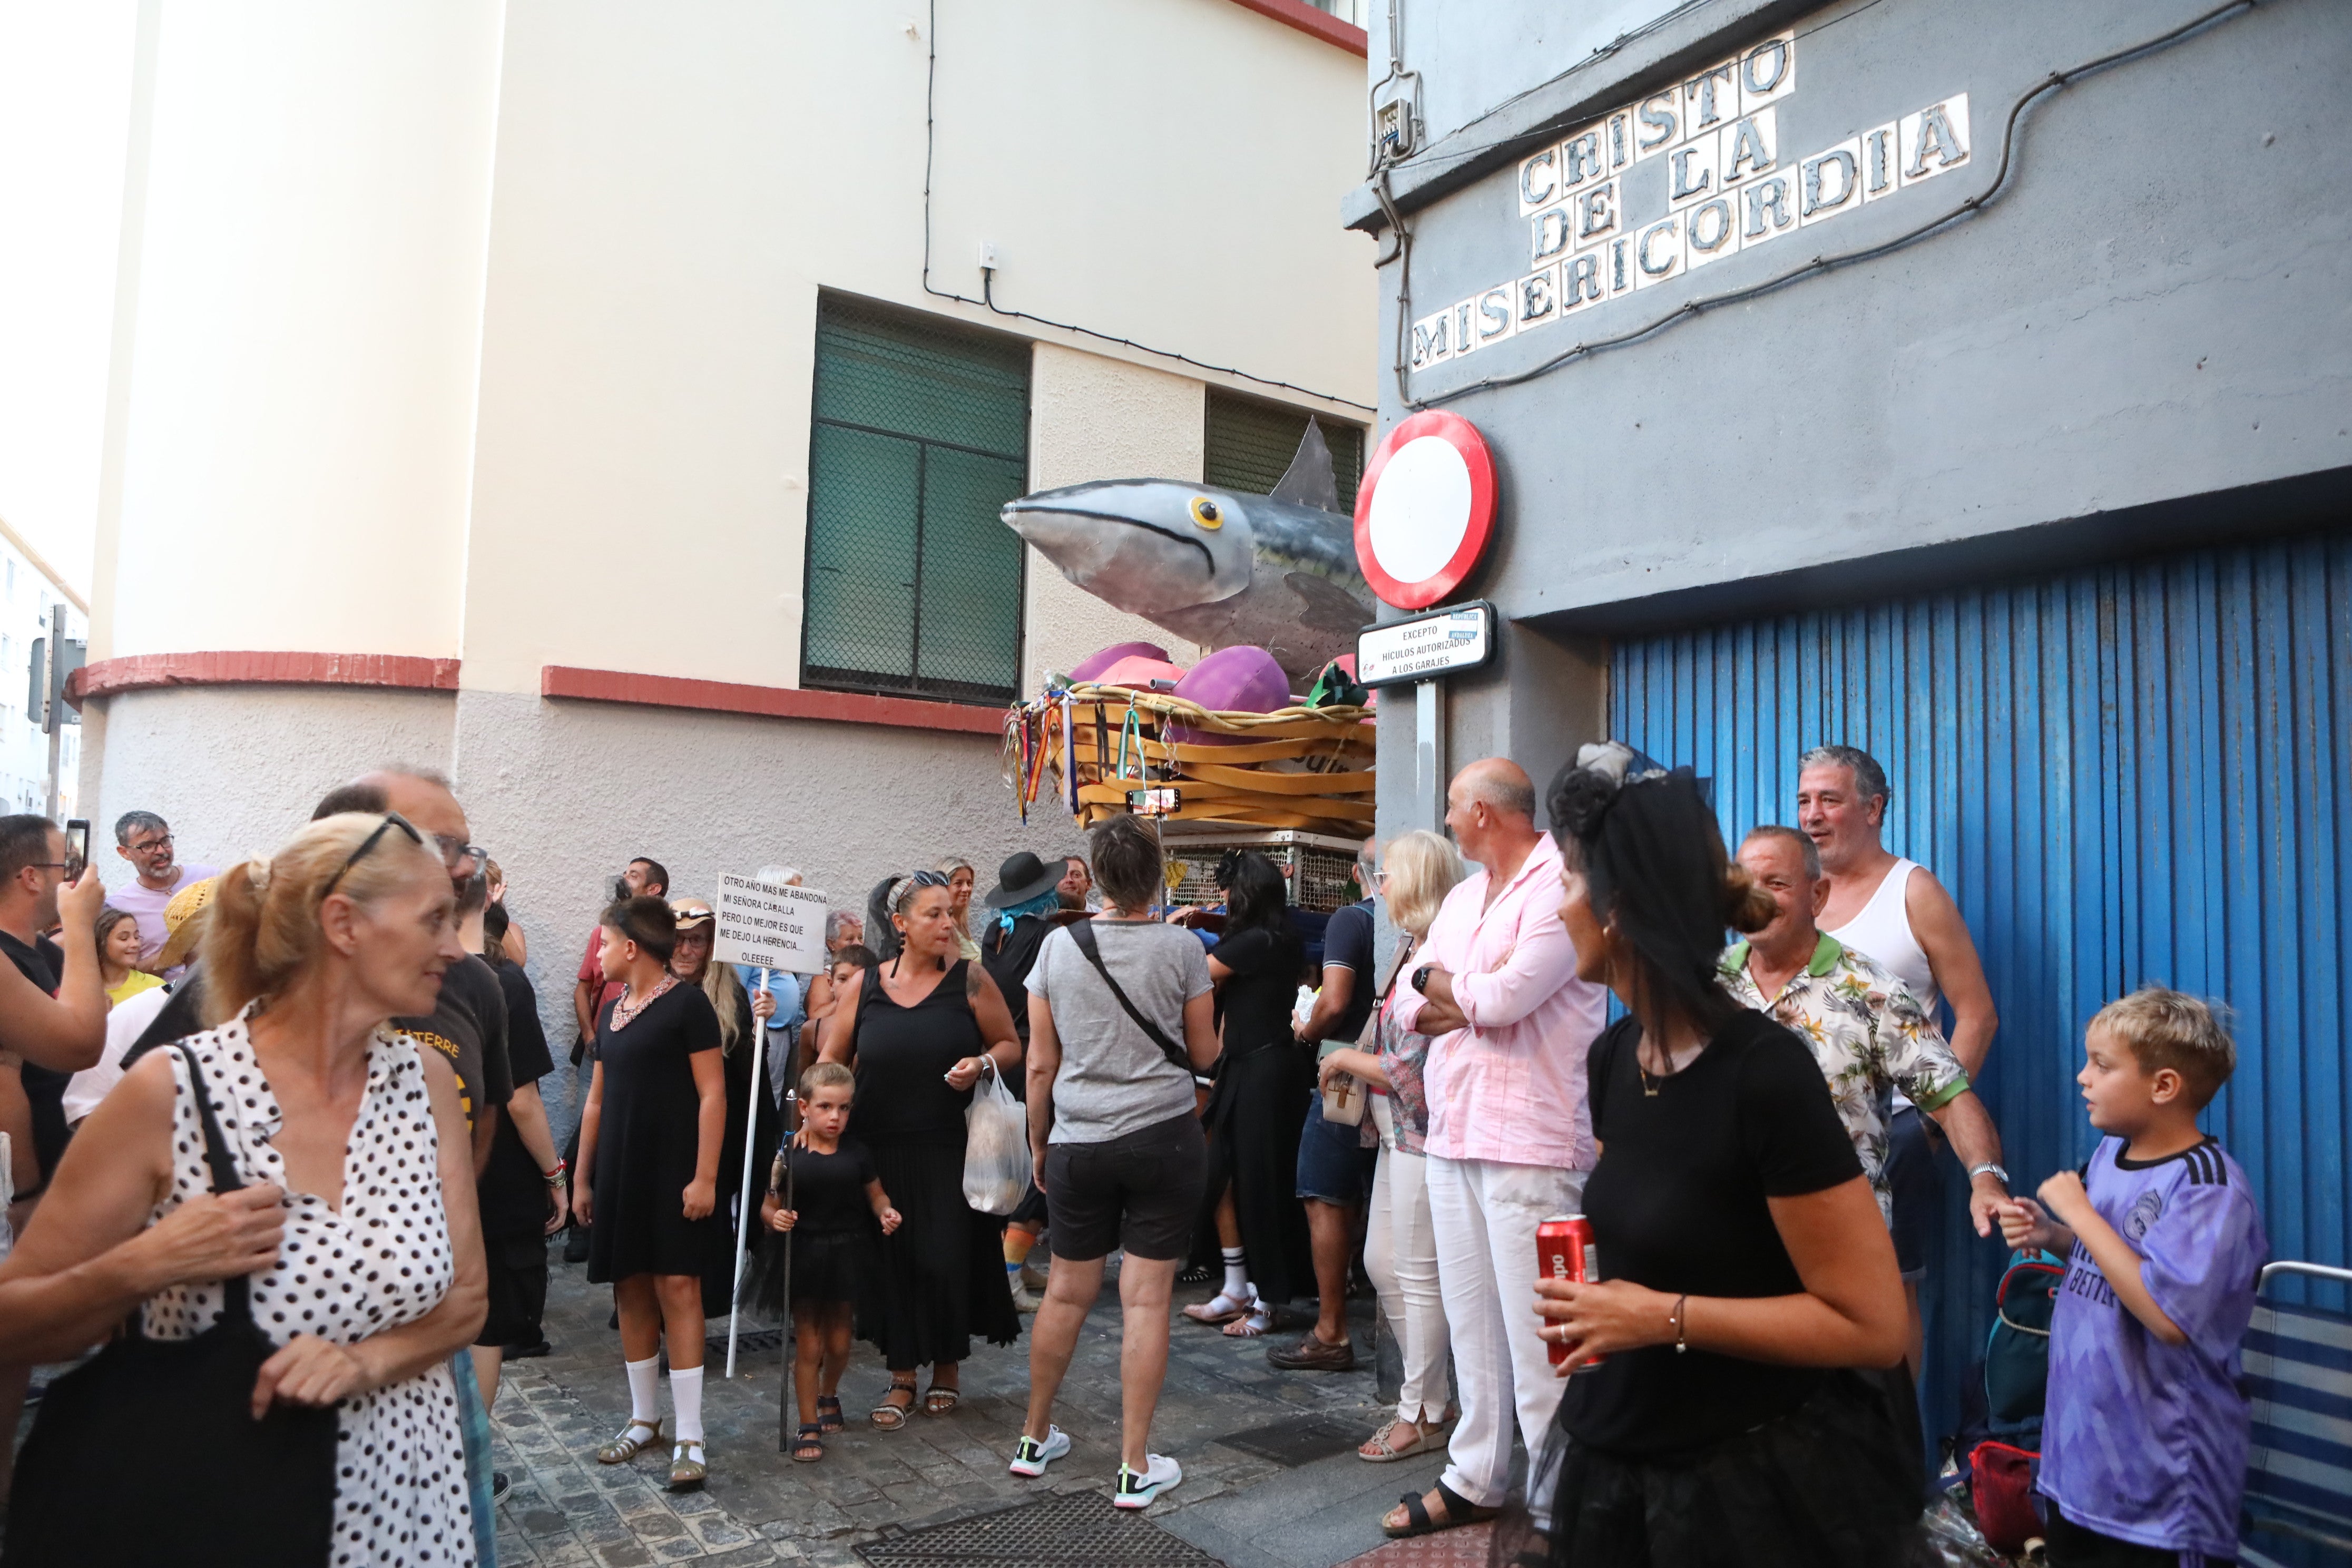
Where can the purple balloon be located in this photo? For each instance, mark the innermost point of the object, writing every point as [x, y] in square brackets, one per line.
[1243, 680]
[1094, 664]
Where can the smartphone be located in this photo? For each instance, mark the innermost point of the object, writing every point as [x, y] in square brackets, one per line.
[76, 848]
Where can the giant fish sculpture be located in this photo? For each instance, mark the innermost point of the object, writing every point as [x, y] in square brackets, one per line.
[1216, 567]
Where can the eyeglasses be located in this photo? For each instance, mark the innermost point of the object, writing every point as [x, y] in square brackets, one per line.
[391, 819]
[151, 846]
[455, 851]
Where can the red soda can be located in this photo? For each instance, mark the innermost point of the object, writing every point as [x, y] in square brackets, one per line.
[1565, 1250]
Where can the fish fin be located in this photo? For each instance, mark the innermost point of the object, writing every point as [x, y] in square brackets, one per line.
[1324, 604]
[1308, 480]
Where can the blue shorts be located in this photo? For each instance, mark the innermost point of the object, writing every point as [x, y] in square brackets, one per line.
[1912, 1183]
[1332, 1165]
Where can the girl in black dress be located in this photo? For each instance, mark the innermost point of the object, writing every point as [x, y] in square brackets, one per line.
[1259, 1105]
[740, 1035]
[648, 1175]
[837, 1202]
[927, 1024]
[1742, 1258]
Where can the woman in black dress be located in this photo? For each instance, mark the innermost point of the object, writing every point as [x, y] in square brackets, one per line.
[648, 1175]
[1743, 1262]
[927, 1023]
[739, 1050]
[1259, 1104]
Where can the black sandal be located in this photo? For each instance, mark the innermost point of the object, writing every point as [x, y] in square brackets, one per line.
[829, 1418]
[809, 1447]
[1459, 1511]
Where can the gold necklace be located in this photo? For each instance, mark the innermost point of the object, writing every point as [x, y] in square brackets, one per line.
[629, 1005]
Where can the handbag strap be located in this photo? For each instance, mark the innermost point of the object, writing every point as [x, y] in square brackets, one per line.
[1083, 934]
[236, 1305]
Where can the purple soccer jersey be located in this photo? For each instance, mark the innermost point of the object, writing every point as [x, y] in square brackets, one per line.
[2145, 1441]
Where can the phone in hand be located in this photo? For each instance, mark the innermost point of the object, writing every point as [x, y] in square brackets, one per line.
[76, 848]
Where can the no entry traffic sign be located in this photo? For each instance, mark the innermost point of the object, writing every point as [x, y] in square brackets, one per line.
[1425, 510]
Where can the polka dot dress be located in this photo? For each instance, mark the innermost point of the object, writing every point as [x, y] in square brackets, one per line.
[400, 1490]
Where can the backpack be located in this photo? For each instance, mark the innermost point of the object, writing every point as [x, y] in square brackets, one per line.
[2001, 1444]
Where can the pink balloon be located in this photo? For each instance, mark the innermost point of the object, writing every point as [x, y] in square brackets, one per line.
[1140, 671]
[1091, 668]
[1243, 680]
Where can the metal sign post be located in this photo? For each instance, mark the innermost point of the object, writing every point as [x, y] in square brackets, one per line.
[743, 1192]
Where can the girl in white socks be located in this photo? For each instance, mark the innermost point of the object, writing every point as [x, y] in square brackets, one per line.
[650, 1137]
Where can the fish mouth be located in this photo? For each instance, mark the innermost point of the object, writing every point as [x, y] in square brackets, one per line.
[1208, 561]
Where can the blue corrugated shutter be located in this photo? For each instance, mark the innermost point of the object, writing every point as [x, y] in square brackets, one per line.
[2125, 775]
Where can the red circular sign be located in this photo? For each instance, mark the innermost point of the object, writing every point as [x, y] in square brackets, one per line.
[1425, 509]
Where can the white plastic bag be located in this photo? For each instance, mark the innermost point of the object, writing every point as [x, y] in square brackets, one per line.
[996, 1160]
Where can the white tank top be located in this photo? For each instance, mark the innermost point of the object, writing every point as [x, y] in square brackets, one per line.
[1883, 931]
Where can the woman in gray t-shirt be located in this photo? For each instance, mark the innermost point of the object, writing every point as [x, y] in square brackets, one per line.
[1118, 1148]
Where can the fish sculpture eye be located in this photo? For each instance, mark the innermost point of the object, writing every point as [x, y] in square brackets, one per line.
[1205, 513]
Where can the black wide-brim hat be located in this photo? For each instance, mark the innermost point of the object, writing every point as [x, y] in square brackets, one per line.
[1024, 877]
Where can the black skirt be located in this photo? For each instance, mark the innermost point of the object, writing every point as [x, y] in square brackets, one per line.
[1826, 1486]
[941, 1276]
[829, 1267]
[1254, 1119]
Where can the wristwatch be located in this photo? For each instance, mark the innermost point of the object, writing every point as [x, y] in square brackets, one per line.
[1976, 1170]
[1421, 978]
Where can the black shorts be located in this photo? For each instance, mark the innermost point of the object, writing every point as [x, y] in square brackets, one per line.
[2072, 1545]
[516, 1268]
[1138, 1192]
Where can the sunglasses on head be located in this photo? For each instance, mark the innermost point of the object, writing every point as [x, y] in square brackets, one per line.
[391, 819]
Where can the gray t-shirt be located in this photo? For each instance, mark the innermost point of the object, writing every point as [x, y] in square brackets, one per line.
[1113, 1081]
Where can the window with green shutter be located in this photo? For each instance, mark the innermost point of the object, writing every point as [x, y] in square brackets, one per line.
[920, 435]
[1249, 445]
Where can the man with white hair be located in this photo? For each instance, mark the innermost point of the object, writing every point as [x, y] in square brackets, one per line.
[1510, 1137]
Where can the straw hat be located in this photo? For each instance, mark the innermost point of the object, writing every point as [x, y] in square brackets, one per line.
[180, 920]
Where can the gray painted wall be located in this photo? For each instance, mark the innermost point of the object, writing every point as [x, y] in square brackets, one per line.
[2156, 308]
[1473, 57]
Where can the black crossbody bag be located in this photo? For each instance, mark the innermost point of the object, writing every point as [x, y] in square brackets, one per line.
[1083, 934]
[149, 1453]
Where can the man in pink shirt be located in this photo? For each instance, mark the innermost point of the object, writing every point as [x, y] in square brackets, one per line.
[1510, 1139]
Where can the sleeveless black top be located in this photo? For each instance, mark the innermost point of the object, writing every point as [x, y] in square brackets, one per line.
[903, 1058]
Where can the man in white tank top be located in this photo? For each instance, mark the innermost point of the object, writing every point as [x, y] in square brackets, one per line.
[1895, 910]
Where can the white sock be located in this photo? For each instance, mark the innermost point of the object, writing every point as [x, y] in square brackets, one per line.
[645, 1377]
[1236, 1274]
[685, 1398]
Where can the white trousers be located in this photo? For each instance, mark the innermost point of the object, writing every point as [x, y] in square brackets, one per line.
[1485, 1215]
[1400, 1255]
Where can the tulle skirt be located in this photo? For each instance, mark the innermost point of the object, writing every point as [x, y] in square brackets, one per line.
[826, 1266]
[1825, 1485]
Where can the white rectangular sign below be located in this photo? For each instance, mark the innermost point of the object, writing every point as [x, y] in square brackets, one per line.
[1441, 643]
[769, 926]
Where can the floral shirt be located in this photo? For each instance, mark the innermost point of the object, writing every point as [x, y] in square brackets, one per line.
[1402, 1054]
[1871, 1038]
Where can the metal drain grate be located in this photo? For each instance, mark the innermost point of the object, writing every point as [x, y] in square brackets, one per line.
[1080, 1528]
[745, 1339]
[1300, 1440]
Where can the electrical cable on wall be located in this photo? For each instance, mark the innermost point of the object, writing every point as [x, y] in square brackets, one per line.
[1693, 308]
[987, 299]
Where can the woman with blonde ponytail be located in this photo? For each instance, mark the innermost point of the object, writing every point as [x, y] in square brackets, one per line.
[1742, 1261]
[355, 1227]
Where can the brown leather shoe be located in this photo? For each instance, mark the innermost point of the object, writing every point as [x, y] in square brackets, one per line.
[1311, 1355]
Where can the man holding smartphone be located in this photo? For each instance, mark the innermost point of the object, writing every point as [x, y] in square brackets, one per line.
[144, 839]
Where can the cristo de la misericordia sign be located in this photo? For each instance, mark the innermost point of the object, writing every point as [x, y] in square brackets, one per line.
[1729, 186]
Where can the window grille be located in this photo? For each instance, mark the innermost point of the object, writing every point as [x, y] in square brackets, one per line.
[920, 435]
[1249, 445]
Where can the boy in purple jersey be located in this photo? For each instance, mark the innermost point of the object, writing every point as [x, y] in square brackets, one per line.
[2144, 1442]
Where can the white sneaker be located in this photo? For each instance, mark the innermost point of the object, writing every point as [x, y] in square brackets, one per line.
[1133, 1490]
[1031, 1457]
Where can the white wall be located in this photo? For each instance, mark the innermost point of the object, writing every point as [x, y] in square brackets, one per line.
[65, 110]
[299, 410]
[675, 186]
[237, 769]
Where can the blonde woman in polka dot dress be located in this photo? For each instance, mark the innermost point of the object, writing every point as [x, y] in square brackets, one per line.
[357, 1225]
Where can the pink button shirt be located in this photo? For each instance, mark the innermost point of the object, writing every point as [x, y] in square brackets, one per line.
[1511, 1086]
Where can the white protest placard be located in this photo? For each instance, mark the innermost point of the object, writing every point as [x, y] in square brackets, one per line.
[769, 926]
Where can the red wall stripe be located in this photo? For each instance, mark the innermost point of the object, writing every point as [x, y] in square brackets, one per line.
[765, 701]
[146, 671]
[1299, 14]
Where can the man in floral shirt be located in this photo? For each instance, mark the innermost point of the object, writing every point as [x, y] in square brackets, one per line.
[1869, 1034]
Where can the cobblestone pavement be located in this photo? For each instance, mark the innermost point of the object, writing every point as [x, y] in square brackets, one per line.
[1301, 1497]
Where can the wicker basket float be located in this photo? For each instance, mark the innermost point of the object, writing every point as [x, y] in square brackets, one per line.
[1303, 768]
